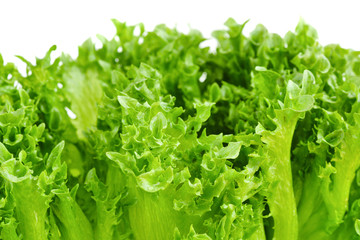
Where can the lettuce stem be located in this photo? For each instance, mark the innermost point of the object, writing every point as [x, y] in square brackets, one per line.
[277, 168]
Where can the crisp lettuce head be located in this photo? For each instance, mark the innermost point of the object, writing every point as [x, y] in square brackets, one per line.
[154, 136]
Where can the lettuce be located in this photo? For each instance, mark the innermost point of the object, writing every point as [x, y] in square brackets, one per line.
[154, 136]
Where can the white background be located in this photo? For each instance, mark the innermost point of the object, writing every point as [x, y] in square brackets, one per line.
[28, 28]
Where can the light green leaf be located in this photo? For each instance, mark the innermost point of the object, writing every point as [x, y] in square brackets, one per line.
[231, 151]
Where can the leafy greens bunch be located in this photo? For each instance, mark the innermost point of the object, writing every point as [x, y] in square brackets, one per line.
[126, 142]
